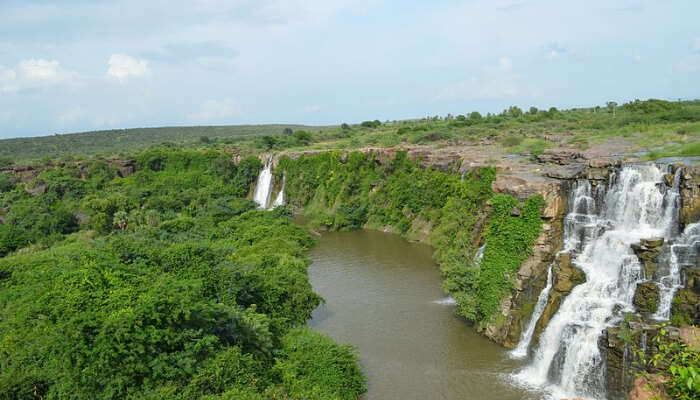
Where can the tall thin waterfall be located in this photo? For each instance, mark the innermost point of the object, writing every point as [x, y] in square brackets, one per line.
[264, 186]
[279, 200]
[520, 351]
[602, 223]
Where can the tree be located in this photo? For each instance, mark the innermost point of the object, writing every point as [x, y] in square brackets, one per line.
[204, 139]
[345, 126]
[287, 131]
[302, 137]
[515, 111]
[475, 116]
[269, 142]
[533, 110]
[612, 107]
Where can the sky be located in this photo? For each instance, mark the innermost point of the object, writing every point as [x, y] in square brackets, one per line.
[79, 65]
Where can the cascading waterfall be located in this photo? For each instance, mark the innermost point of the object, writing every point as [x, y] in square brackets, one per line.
[601, 224]
[264, 186]
[520, 351]
[679, 254]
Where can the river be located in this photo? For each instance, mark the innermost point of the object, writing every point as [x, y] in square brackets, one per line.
[383, 296]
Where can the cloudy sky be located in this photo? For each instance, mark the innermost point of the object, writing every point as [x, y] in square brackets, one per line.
[76, 65]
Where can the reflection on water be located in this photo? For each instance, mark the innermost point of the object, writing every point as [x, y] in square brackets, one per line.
[383, 296]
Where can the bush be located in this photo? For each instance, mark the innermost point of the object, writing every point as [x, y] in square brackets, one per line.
[314, 367]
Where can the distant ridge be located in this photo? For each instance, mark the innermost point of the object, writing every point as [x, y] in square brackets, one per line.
[120, 140]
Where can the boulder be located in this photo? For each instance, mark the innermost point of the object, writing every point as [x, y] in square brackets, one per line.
[646, 297]
[647, 250]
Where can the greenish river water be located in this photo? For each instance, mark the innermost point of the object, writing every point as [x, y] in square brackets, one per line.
[382, 295]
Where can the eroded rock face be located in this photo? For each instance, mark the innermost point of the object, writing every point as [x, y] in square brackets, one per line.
[646, 297]
[620, 347]
[686, 306]
[647, 250]
[690, 195]
[565, 277]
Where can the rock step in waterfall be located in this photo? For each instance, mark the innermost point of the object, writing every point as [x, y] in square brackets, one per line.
[603, 222]
[263, 189]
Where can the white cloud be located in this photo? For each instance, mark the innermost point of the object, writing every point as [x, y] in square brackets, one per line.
[40, 69]
[505, 64]
[216, 110]
[312, 108]
[33, 73]
[122, 66]
[72, 114]
[637, 58]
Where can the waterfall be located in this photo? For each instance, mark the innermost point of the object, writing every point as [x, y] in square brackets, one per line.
[602, 222]
[264, 186]
[682, 253]
[479, 254]
[520, 351]
[279, 200]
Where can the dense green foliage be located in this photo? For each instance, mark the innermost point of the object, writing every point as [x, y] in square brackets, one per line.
[678, 361]
[171, 286]
[509, 241]
[354, 190]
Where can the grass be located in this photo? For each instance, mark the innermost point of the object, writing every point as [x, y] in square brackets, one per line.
[659, 127]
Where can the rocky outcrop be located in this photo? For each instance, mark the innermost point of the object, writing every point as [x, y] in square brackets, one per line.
[560, 156]
[647, 250]
[565, 277]
[646, 297]
[620, 348]
[690, 195]
[124, 167]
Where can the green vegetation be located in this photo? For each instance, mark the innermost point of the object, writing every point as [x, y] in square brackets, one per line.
[354, 191]
[656, 127]
[678, 361]
[166, 284]
[120, 141]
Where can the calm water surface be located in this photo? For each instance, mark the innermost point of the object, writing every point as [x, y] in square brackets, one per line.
[381, 294]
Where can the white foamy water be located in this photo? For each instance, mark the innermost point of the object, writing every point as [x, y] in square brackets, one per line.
[279, 200]
[264, 186]
[600, 226]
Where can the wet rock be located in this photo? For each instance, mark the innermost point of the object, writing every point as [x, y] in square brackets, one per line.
[690, 195]
[686, 306]
[646, 297]
[565, 278]
[647, 250]
[515, 212]
[691, 277]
